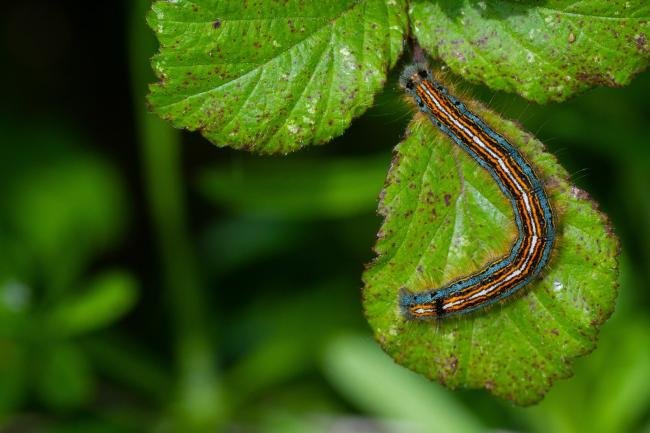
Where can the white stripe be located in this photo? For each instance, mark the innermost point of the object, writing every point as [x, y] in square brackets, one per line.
[478, 141]
[487, 290]
[524, 195]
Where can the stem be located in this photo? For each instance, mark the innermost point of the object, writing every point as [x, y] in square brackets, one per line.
[198, 404]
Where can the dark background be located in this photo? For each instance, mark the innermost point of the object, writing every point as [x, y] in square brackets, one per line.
[152, 286]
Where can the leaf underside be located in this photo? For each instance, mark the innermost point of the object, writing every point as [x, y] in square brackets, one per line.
[272, 76]
[445, 217]
[543, 52]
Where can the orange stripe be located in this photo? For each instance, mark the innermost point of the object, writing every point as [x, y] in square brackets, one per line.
[535, 218]
[490, 142]
[493, 147]
[511, 283]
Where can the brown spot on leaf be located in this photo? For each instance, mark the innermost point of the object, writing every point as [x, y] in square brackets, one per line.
[216, 24]
[641, 42]
[578, 193]
[452, 363]
[598, 79]
[482, 41]
[447, 199]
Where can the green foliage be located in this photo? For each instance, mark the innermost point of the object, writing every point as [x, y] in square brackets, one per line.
[364, 374]
[62, 208]
[63, 363]
[439, 205]
[83, 200]
[109, 296]
[272, 76]
[615, 381]
[540, 50]
[298, 188]
[259, 328]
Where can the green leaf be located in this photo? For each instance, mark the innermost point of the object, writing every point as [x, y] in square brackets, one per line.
[297, 188]
[268, 75]
[13, 375]
[64, 212]
[612, 384]
[368, 378]
[64, 377]
[541, 50]
[445, 216]
[284, 335]
[104, 301]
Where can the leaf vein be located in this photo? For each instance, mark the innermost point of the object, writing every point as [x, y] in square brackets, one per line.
[262, 65]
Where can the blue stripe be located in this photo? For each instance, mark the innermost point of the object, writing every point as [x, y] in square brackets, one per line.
[429, 297]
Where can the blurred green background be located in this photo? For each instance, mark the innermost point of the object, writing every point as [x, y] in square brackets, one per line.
[151, 282]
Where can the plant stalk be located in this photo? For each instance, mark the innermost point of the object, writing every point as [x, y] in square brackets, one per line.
[197, 405]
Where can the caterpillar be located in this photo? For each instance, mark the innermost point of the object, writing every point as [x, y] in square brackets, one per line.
[515, 177]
